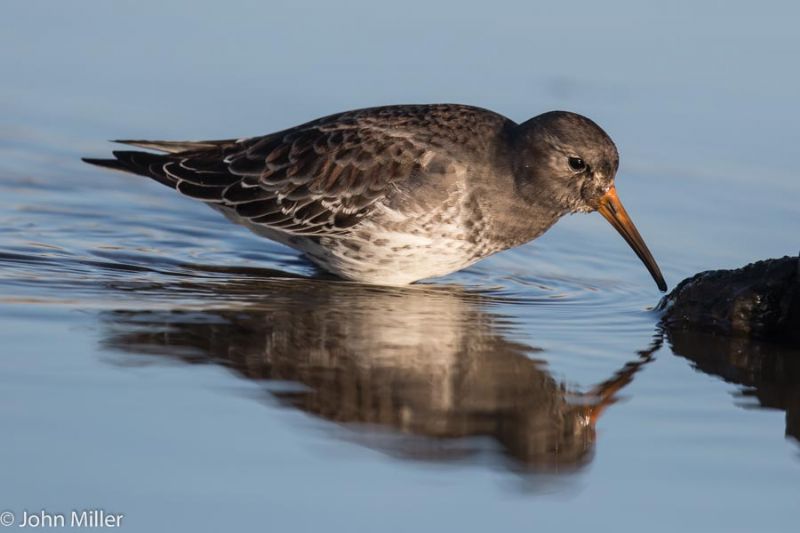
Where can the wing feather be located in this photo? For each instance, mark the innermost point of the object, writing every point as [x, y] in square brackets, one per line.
[320, 178]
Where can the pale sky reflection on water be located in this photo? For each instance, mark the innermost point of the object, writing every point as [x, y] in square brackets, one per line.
[138, 328]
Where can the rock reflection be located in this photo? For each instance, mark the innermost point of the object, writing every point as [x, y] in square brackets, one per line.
[768, 373]
[431, 363]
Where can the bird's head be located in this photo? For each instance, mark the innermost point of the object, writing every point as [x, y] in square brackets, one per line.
[566, 161]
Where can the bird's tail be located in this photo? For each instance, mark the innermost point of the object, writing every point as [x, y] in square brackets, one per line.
[141, 163]
[175, 147]
[153, 165]
[113, 164]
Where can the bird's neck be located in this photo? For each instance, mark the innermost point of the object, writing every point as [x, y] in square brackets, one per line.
[512, 210]
[509, 219]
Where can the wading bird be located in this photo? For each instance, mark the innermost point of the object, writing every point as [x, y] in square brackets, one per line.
[391, 195]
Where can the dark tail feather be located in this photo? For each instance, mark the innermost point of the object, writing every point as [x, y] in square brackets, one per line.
[105, 163]
[142, 163]
[174, 147]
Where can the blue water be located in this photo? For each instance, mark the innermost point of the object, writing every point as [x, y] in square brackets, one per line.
[158, 362]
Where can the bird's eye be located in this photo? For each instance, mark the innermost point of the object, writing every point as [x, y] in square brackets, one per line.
[577, 164]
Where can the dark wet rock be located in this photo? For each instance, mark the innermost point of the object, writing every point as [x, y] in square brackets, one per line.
[743, 326]
[760, 300]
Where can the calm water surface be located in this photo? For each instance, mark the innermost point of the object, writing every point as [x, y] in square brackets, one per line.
[161, 363]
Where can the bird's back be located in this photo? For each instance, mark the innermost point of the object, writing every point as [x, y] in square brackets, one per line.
[386, 194]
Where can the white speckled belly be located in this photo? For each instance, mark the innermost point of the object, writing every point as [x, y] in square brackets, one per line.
[392, 258]
[391, 248]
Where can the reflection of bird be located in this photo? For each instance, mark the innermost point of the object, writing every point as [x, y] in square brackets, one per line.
[426, 363]
[391, 195]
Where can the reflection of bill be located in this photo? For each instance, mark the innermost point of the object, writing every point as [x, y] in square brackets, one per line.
[429, 363]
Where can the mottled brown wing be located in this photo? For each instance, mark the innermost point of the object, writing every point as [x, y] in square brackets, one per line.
[319, 178]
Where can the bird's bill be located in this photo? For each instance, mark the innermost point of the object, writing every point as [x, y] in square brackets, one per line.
[611, 208]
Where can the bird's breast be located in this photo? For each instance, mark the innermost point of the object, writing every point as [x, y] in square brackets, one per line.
[400, 246]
